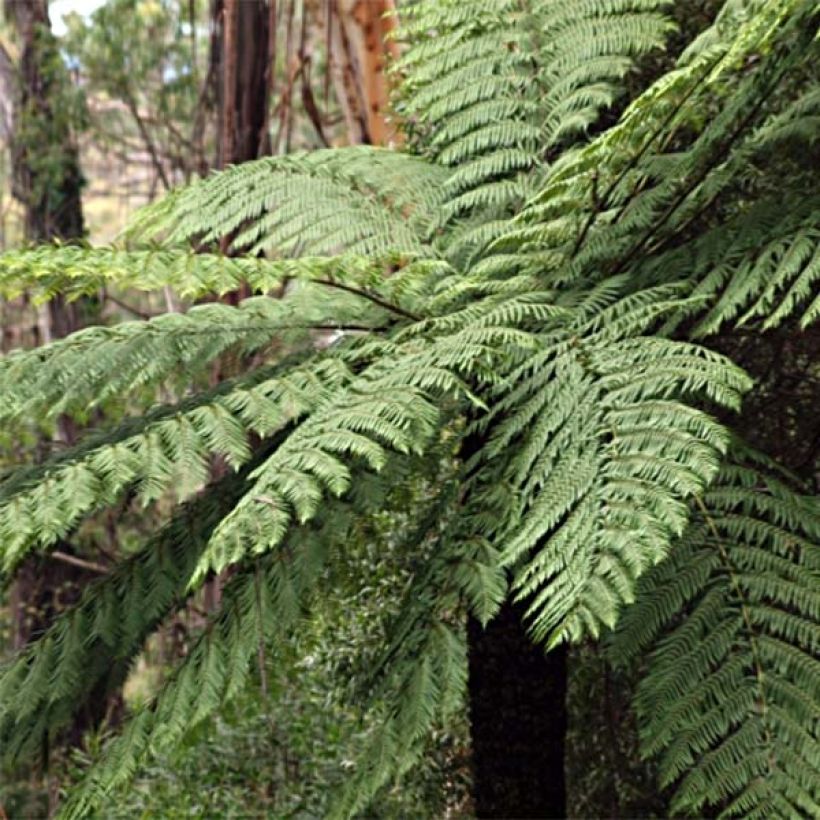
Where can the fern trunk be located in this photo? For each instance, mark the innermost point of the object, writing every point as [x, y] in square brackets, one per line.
[518, 720]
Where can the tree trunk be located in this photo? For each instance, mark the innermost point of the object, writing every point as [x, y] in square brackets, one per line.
[518, 720]
[356, 32]
[47, 181]
[46, 178]
[241, 49]
[243, 28]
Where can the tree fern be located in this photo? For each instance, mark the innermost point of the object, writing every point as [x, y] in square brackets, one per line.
[502, 283]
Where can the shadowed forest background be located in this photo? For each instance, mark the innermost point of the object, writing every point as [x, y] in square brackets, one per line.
[410, 409]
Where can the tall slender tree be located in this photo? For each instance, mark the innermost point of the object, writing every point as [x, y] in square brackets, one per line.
[47, 181]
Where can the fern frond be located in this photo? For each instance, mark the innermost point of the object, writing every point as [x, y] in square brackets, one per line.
[42, 688]
[626, 196]
[357, 426]
[731, 701]
[762, 266]
[264, 600]
[95, 364]
[360, 199]
[607, 450]
[169, 447]
[497, 88]
[257, 605]
[73, 271]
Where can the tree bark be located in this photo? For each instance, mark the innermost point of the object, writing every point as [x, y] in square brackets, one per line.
[356, 32]
[243, 34]
[46, 179]
[518, 720]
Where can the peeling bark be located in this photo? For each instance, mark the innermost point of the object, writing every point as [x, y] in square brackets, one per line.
[356, 33]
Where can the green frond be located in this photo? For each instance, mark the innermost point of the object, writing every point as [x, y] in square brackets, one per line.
[264, 600]
[731, 701]
[95, 364]
[257, 605]
[607, 449]
[360, 200]
[168, 448]
[73, 271]
[496, 89]
[393, 405]
[358, 426]
[42, 688]
[762, 266]
[626, 196]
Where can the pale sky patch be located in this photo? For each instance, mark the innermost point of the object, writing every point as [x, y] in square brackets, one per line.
[57, 8]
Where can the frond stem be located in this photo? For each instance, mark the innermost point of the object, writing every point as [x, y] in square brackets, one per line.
[699, 177]
[747, 621]
[601, 201]
[91, 566]
[370, 297]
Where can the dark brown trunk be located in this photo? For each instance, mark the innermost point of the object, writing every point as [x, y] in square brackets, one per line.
[46, 172]
[242, 30]
[47, 181]
[242, 50]
[518, 720]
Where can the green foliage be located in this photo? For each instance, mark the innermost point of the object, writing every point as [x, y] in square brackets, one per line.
[503, 86]
[363, 200]
[730, 699]
[544, 352]
[41, 687]
[169, 447]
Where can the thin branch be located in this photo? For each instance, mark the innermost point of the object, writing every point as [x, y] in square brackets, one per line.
[147, 139]
[143, 314]
[370, 297]
[91, 566]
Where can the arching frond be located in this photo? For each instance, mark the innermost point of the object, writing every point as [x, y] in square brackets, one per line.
[257, 604]
[95, 364]
[759, 268]
[168, 448]
[42, 688]
[72, 271]
[628, 195]
[360, 200]
[731, 701]
[492, 88]
[264, 600]
[607, 450]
